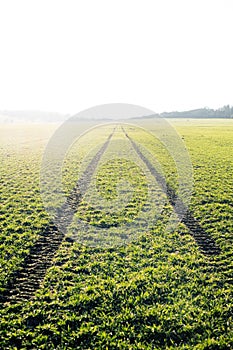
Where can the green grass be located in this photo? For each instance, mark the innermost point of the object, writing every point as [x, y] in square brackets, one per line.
[155, 292]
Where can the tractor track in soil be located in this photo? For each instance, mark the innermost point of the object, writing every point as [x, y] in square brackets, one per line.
[27, 279]
[204, 241]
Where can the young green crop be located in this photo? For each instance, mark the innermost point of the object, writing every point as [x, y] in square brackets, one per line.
[158, 291]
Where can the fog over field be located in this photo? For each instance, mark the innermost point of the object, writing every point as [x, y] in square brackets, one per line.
[116, 175]
[53, 117]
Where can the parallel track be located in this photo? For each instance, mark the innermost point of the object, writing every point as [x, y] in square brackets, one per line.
[24, 282]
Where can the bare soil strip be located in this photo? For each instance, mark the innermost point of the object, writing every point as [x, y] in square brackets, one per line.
[205, 242]
[23, 283]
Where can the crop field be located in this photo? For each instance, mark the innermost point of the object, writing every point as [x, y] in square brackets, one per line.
[110, 263]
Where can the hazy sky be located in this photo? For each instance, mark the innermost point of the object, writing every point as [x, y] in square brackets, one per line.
[69, 55]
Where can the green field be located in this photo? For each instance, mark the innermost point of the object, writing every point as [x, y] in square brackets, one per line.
[120, 277]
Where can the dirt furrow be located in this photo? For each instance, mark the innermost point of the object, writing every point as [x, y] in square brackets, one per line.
[204, 241]
[27, 279]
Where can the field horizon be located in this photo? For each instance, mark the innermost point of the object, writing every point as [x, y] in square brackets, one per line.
[122, 242]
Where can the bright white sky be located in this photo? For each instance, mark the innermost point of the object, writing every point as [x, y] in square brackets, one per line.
[69, 55]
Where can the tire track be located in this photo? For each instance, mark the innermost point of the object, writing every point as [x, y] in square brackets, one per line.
[204, 241]
[24, 282]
